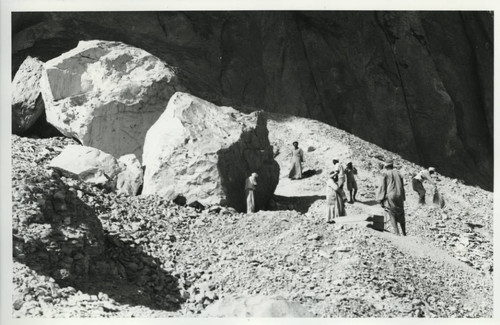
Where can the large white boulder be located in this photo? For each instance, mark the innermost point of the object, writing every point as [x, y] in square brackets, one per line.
[87, 164]
[107, 94]
[27, 102]
[204, 153]
[96, 167]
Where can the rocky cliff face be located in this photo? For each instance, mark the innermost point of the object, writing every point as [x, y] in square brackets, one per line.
[416, 83]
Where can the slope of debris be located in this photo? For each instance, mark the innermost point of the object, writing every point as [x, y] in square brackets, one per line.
[164, 260]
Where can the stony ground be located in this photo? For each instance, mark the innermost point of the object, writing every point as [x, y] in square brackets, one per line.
[442, 269]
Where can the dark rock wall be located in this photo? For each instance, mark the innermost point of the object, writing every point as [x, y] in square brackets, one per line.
[416, 83]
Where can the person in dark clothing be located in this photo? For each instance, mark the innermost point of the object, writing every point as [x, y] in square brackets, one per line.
[391, 196]
[352, 186]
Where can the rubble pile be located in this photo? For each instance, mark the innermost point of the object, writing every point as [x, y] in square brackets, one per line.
[161, 259]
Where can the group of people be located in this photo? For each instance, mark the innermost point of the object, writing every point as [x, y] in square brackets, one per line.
[390, 191]
[335, 195]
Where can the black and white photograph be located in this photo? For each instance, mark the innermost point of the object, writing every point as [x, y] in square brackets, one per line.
[203, 162]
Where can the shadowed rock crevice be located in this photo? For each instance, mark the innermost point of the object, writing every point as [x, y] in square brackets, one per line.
[42, 129]
[257, 154]
[298, 203]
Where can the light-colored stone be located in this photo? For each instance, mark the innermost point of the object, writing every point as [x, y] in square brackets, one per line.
[131, 177]
[204, 153]
[106, 94]
[87, 164]
[256, 306]
[27, 102]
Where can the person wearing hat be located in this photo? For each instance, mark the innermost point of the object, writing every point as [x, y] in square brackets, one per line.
[250, 185]
[334, 198]
[418, 180]
[296, 161]
[391, 196]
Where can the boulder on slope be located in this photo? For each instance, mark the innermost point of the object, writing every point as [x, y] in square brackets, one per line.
[27, 102]
[96, 167]
[87, 164]
[106, 94]
[204, 153]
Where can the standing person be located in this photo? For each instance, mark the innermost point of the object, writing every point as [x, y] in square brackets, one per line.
[391, 196]
[417, 183]
[296, 161]
[352, 186]
[250, 184]
[339, 168]
[334, 200]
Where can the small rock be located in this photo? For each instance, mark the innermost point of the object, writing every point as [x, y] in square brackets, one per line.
[109, 307]
[18, 303]
[314, 237]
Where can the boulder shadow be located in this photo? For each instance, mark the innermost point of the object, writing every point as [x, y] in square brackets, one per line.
[474, 225]
[369, 202]
[43, 129]
[297, 203]
[130, 276]
[65, 240]
[376, 229]
[124, 273]
[311, 172]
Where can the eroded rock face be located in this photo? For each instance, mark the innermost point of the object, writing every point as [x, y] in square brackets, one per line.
[27, 102]
[416, 83]
[204, 153]
[106, 94]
